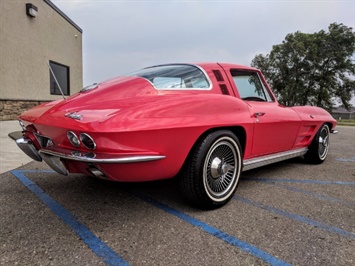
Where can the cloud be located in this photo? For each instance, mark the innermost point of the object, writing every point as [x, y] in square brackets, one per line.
[121, 36]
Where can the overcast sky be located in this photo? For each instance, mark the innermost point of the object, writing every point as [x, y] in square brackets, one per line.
[122, 36]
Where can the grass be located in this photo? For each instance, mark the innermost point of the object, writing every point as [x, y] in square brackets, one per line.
[346, 122]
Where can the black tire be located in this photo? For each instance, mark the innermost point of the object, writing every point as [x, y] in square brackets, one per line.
[212, 170]
[318, 150]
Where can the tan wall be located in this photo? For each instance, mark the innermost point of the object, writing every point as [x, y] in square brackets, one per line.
[27, 44]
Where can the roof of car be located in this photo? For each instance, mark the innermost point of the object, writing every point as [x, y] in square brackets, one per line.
[224, 65]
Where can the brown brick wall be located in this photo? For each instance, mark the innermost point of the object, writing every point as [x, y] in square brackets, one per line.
[11, 109]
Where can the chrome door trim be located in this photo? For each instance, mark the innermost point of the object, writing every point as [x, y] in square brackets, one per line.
[272, 158]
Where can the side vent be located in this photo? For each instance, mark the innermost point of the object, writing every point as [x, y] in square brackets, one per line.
[218, 75]
[224, 89]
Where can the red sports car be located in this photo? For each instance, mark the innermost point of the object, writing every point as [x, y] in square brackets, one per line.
[205, 123]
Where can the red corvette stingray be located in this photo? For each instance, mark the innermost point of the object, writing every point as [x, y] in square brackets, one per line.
[206, 122]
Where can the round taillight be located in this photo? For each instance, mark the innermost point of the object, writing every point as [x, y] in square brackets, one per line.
[74, 140]
[87, 141]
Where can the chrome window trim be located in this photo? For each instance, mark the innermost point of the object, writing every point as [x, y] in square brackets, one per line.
[180, 89]
[268, 95]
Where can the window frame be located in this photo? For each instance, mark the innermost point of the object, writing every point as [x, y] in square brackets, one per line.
[267, 95]
[140, 73]
[56, 91]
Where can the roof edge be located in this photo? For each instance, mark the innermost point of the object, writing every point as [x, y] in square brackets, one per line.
[60, 12]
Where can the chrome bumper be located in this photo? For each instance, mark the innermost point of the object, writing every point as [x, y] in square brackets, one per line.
[54, 156]
[90, 157]
[26, 145]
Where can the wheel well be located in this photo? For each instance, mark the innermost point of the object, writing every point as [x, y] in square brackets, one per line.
[237, 130]
[330, 125]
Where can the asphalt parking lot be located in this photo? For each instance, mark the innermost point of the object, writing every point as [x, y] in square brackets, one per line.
[289, 213]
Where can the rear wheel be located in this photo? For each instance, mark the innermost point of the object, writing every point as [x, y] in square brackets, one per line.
[212, 170]
[318, 150]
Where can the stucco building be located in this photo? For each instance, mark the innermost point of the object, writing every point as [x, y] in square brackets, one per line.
[36, 38]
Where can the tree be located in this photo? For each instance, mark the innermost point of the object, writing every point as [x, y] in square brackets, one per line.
[312, 69]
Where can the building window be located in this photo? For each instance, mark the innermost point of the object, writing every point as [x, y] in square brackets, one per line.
[61, 73]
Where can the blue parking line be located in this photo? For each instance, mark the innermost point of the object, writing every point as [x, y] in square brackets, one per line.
[308, 181]
[93, 242]
[351, 159]
[297, 217]
[310, 193]
[214, 231]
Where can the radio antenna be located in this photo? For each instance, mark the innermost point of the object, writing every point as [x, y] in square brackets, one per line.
[56, 81]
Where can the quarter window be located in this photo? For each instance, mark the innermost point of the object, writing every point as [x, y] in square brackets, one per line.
[61, 75]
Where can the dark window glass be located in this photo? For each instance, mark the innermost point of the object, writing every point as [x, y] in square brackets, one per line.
[61, 73]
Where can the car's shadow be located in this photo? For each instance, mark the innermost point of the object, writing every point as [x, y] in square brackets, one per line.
[96, 196]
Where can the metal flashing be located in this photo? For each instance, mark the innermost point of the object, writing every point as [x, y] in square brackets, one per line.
[60, 12]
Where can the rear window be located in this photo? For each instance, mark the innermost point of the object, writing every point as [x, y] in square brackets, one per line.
[175, 77]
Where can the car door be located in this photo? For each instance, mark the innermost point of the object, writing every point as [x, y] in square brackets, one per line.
[275, 126]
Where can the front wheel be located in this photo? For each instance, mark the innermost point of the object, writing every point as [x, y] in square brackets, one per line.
[318, 150]
[212, 170]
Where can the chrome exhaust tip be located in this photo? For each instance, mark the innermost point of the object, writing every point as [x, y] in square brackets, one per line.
[96, 172]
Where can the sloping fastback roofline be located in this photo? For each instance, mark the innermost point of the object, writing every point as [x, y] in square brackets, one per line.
[60, 12]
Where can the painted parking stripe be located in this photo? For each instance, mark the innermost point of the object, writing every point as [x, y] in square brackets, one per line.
[94, 243]
[313, 194]
[352, 159]
[213, 231]
[309, 181]
[298, 218]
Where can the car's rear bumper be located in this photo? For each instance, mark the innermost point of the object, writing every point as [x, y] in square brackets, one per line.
[26, 145]
[54, 156]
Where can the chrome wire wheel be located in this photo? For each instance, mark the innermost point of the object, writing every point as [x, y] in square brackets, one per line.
[323, 142]
[211, 172]
[318, 150]
[221, 169]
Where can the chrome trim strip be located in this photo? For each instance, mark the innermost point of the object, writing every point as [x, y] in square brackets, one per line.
[97, 158]
[272, 158]
[22, 125]
[179, 89]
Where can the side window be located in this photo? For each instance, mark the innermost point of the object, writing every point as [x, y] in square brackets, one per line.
[250, 87]
[61, 73]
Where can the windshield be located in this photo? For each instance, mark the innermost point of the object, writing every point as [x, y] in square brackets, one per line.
[175, 77]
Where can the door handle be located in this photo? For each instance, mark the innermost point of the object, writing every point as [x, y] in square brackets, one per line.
[259, 114]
